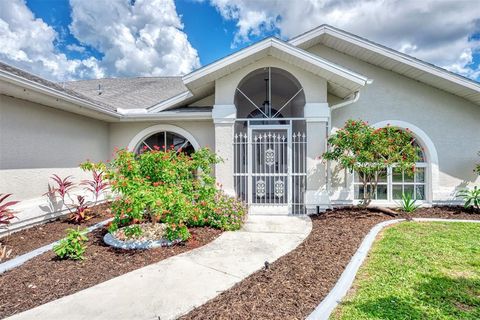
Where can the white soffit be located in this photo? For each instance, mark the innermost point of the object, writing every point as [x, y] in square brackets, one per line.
[390, 59]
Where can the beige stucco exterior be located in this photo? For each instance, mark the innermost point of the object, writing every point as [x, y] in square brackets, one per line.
[37, 141]
[452, 123]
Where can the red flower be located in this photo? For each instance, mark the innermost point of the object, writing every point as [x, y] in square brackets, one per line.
[156, 147]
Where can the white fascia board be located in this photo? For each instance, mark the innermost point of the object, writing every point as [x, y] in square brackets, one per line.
[321, 63]
[387, 52]
[38, 87]
[167, 115]
[170, 102]
[257, 47]
[282, 46]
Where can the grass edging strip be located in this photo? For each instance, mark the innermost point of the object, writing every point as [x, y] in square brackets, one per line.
[18, 261]
[345, 282]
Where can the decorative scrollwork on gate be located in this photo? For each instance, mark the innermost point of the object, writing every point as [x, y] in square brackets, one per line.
[269, 157]
[279, 188]
[261, 188]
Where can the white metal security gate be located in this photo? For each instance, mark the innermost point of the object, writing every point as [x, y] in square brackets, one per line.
[270, 166]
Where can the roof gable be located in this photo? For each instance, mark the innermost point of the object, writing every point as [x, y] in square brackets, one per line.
[390, 59]
[342, 80]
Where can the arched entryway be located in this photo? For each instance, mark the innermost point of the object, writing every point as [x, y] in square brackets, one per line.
[270, 141]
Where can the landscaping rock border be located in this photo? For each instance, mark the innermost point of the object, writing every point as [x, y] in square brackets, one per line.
[137, 244]
[339, 291]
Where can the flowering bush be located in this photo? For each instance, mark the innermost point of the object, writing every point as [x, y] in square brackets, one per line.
[165, 186]
[361, 148]
[224, 212]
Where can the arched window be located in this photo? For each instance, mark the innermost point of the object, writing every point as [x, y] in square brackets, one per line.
[392, 182]
[165, 140]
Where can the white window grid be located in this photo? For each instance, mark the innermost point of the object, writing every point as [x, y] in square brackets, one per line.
[389, 183]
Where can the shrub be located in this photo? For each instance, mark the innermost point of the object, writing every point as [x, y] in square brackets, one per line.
[97, 185]
[81, 211]
[471, 197]
[224, 212]
[62, 187]
[408, 204]
[73, 245]
[361, 148]
[6, 214]
[160, 186]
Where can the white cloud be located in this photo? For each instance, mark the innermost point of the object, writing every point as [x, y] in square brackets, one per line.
[28, 43]
[75, 47]
[142, 39]
[137, 40]
[435, 31]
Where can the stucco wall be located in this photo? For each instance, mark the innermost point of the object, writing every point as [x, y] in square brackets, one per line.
[452, 123]
[315, 87]
[121, 134]
[36, 141]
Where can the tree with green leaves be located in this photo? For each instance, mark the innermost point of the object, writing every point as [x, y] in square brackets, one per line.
[367, 151]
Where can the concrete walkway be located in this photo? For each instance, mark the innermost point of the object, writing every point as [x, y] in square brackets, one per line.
[174, 286]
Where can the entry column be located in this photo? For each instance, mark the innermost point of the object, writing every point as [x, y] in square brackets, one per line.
[317, 116]
[224, 121]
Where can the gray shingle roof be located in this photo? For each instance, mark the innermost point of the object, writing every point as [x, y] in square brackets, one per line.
[53, 85]
[129, 93]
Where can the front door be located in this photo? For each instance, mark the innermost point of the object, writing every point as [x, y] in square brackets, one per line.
[270, 157]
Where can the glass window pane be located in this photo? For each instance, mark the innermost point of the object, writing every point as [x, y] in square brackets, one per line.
[382, 192]
[382, 176]
[408, 190]
[397, 175]
[177, 141]
[408, 176]
[156, 139]
[420, 192]
[397, 192]
[358, 191]
[420, 172]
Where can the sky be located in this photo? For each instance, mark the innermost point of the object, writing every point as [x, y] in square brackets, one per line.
[64, 40]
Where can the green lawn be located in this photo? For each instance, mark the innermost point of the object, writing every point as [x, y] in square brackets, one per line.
[419, 271]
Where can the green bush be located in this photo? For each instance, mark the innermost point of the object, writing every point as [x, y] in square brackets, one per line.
[408, 204]
[170, 187]
[471, 197]
[73, 245]
[224, 212]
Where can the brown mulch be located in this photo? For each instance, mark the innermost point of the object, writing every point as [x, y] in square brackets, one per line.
[295, 284]
[35, 237]
[45, 278]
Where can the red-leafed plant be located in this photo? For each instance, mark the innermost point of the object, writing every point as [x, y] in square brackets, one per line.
[81, 211]
[6, 214]
[78, 211]
[97, 185]
[62, 188]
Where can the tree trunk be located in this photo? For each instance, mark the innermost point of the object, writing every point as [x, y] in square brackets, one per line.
[387, 211]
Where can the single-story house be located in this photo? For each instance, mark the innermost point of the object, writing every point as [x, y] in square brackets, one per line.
[267, 110]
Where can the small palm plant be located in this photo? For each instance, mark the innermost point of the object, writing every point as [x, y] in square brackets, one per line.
[471, 197]
[408, 204]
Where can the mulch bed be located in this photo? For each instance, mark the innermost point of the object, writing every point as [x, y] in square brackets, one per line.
[295, 284]
[35, 237]
[45, 278]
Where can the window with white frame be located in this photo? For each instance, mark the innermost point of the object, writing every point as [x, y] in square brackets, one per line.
[163, 140]
[392, 182]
